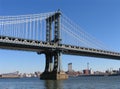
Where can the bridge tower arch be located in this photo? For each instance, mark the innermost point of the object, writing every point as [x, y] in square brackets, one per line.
[53, 70]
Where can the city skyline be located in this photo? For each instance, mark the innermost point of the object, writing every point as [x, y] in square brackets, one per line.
[99, 18]
[69, 69]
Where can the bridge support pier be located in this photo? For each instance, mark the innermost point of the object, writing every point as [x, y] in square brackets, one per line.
[53, 73]
[53, 76]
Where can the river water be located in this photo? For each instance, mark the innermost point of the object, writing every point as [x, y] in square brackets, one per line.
[111, 82]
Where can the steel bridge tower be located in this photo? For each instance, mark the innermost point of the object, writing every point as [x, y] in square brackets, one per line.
[53, 70]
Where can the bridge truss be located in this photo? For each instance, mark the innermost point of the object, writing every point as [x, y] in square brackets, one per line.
[52, 34]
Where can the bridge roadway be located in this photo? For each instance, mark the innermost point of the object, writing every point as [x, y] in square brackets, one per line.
[41, 47]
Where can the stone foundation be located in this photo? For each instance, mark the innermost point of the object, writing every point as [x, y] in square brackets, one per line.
[53, 76]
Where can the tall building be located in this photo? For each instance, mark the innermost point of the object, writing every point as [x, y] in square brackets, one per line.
[119, 71]
[86, 71]
[70, 67]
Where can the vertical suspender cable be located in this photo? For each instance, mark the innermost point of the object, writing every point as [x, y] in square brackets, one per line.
[41, 30]
[37, 29]
[26, 24]
[30, 29]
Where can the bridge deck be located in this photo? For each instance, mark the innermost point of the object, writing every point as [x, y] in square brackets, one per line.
[41, 46]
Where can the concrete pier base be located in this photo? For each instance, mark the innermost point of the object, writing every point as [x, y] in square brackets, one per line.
[54, 76]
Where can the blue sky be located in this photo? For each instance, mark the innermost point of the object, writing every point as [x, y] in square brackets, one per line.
[100, 18]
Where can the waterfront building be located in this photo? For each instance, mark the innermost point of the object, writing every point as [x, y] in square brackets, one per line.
[86, 72]
[0, 76]
[70, 67]
[37, 74]
[9, 76]
[119, 71]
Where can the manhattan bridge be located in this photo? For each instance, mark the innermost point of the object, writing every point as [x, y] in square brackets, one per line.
[52, 34]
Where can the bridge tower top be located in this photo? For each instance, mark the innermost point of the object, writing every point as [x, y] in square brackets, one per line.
[53, 21]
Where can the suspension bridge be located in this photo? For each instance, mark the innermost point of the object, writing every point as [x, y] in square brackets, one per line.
[52, 34]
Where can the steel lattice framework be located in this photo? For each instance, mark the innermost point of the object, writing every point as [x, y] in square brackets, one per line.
[52, 34]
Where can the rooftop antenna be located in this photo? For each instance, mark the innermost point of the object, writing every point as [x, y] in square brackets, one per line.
[88, 65]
